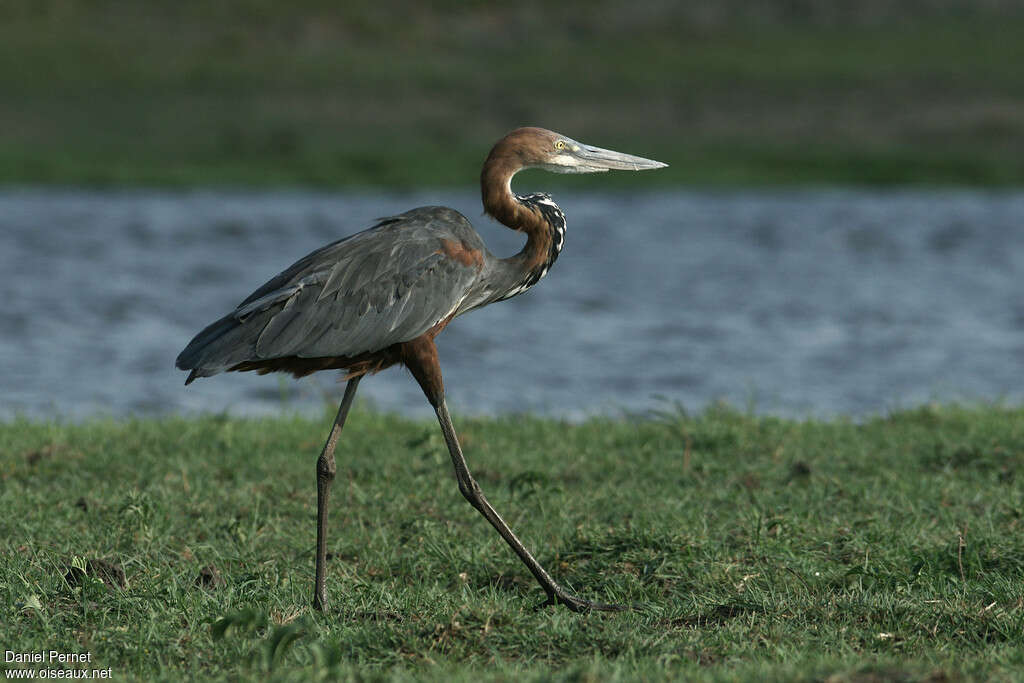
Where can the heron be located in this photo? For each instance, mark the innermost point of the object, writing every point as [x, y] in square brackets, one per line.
[380, 298]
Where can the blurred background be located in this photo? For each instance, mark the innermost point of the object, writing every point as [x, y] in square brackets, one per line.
[839, 230]
[406, 93]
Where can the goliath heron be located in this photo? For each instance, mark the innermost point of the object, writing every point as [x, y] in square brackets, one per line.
[380, 297]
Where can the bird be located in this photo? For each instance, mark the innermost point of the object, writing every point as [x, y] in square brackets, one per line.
[380, 298]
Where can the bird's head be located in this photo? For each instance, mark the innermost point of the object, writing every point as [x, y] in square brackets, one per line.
[541, 148]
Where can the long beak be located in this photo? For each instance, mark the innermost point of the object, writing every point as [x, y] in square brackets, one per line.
[594, 160]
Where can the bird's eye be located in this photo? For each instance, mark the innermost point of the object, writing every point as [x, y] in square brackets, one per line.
[560, 144]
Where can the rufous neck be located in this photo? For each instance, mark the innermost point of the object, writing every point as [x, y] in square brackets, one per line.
[499, 201]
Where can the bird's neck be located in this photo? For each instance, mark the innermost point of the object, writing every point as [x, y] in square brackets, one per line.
[534, 214]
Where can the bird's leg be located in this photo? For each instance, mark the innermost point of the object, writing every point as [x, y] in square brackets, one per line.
[420, 356]
[471, 491]
[325, 469]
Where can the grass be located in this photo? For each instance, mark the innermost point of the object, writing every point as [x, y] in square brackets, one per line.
[889, 549]
[396, 93]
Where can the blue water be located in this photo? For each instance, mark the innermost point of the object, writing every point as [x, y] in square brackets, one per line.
[799, 303]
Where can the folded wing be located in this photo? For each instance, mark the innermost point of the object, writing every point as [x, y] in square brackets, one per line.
[385, 285]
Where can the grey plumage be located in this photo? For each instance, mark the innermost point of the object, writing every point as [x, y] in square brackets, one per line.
[385, 285]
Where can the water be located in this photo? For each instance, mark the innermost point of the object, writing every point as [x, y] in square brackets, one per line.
[800, 303]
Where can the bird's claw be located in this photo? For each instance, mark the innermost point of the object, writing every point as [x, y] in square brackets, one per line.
[579, 605]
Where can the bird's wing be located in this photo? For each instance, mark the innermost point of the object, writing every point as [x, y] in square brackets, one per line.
[385, 285]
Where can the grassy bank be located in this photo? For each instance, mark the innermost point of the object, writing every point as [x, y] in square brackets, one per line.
[400, 94]
[888, 550]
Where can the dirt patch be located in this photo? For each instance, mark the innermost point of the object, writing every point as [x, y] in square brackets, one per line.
[209, 578]
[109, 573]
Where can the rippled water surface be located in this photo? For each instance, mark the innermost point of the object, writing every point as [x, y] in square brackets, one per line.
[797, 303]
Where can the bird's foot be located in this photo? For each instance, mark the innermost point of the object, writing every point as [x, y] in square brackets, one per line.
[579, 605]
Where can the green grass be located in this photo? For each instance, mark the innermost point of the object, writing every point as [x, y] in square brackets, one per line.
[398, 93]
[764, 548]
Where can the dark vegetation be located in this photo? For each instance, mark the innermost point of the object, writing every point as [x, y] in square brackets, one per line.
[409, 94]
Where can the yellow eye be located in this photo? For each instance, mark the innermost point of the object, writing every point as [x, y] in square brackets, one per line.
[560, 144]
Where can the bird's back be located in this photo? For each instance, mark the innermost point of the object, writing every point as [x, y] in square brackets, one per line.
[357, 296]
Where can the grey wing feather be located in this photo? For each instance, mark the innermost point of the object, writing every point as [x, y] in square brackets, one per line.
[382, 286]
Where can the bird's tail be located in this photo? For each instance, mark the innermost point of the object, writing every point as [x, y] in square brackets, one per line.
[213, 350]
